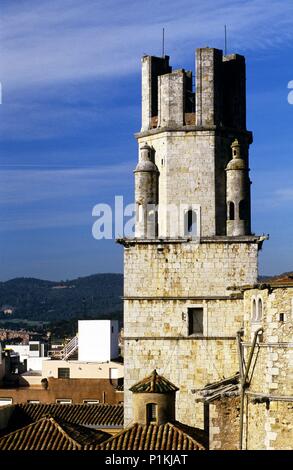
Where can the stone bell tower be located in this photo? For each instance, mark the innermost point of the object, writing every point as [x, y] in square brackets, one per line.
[193, 239]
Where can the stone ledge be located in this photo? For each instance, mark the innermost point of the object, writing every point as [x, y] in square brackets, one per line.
[176, 338]
[193, 128]
[197, 241]
[201, 298]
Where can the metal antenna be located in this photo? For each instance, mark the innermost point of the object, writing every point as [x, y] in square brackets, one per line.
[225, 40]
[163, 43]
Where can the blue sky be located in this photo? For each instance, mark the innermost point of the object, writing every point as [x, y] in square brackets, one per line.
[70, 74]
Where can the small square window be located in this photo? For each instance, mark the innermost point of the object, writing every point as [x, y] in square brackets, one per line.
[5, 401]
[64, 401]
[91, 401]
[63, 373]
[195, 321]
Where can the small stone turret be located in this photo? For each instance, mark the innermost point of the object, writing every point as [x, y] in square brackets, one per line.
[146, 194]
[154, 400]
[238, 190]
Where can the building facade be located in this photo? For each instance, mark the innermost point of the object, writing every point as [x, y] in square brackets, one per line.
[265, 422]
[193, 239]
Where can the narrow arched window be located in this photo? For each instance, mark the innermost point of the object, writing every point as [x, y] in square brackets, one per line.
[242, 210]
[231, 211]
[259, 309]
[151, 413]
[253, 310]
[190, 223]
[139, 212]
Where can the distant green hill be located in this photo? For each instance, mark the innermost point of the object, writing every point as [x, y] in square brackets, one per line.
[96, 296]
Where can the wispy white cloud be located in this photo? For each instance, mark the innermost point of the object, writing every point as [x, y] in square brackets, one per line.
[42, 219]
[51, 41]
[272, 191]
[29, 121]
[27, 186]
[285, 195]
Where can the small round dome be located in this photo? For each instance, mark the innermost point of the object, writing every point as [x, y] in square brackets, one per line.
[145, 162]
[146, 165]
[236, 164]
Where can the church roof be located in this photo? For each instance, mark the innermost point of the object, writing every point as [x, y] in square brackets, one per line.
[154, 383]
[168, 436]
[48, 433]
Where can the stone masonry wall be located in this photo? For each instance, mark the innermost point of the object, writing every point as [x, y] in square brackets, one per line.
[188, 269]
[186, 177]
[273, 372]
[270, 424]
[188, 363]
[224, 424]
[156, 334]
[270, 427]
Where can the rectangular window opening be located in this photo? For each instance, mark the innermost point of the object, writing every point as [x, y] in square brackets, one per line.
[91, 402]
[151, 413]
[64, 401]
[63, 373]
[195, 321]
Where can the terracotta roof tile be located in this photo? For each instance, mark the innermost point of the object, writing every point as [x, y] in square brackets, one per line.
[168, 436]
[49, 434]
[154, 383]
[83, 414]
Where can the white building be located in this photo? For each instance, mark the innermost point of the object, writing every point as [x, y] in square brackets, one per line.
[31, 355]
[97, 347]
[97, 340]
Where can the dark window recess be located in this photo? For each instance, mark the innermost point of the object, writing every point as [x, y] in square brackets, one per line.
[282, 317]
[151, 410]
[195, 321]
[63, 373]
[242, 210]
[34, 347]
[231, 211]
[190, 223]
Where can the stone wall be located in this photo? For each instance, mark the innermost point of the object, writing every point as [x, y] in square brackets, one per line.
[273, 371]
[192, 158]
[189, 269]
[270, 424]
[224, 424]
[159, 288]
[188, 363]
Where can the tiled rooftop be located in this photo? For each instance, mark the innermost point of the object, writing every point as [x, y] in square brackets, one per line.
[168, 436]
[154, 383]
[49, 433]
[282, 279]
[99, 415]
